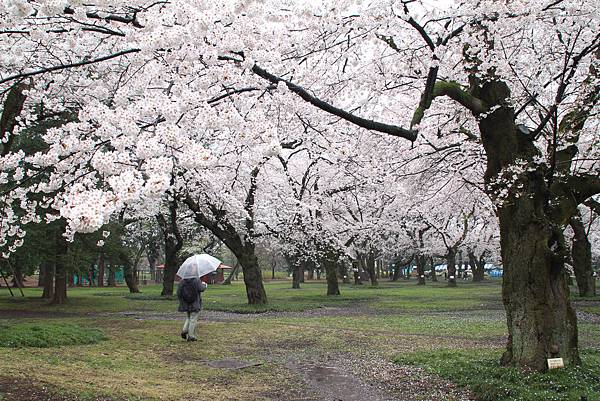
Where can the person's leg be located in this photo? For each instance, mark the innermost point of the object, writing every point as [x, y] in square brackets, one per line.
[186, 327]
[193, 319]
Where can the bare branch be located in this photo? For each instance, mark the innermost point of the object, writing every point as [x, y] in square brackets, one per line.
[361, 122]
[65, 66]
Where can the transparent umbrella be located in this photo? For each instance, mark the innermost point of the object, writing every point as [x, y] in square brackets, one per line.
[198, 266]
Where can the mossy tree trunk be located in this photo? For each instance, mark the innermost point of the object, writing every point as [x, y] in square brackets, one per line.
[533, 206]
[541, 321]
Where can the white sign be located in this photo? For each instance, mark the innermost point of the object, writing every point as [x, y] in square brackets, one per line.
[555, 363]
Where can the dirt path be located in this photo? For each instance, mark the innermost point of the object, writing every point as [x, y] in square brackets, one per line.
[367, 377]
[325, 376]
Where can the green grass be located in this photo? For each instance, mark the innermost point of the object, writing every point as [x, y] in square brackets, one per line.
[473, 325]
[479, 371]
[145, 359]
[232, 298]
[44, 335]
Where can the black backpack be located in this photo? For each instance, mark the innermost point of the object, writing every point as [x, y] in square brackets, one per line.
[189, 291]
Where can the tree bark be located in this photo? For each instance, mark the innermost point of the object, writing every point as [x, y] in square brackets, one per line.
[421, 260]
[243, 248]
[171, 265]
[173, 242]
[356, 272]
[101, 270]
[369, 264]
[477, 266]
[541, 321]
[581, 255]
[451, 265]
[296, 268]
[112, 281]
[255, 290]
[128, 273]
[42, 267]
[60, 274]
[433, 275]
[330, 262]
[48, 281]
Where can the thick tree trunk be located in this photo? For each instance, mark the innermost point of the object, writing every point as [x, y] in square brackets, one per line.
[243, 249]
[48, 281]
[59, 292]
[370, 268]
[173, 242]
[303, 267]
[421, 261]
[171, 266]
[128, 273]
[331, 271]
[152, 253]
[581, 254]
[296, 268]
[356, 272]
[60, 273]
[477, 266]
[397, 273]
[255, 290]
[343, 272]
[433, 275]
[541, 321]
[451, 264]
[60, 285]
[42, 268]
[101, 270]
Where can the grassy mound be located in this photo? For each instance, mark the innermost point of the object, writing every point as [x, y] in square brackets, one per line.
[479, 370]
[45, 335]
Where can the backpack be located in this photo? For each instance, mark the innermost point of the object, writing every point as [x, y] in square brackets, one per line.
[189, 290]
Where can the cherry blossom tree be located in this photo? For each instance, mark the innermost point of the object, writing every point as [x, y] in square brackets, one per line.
[154, 94]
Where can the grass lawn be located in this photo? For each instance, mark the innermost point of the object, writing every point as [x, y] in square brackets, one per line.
[107, 344]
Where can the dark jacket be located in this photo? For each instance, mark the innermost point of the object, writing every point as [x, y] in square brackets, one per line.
[195, 307]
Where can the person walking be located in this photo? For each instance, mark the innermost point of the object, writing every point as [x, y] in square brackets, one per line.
[190, 302]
